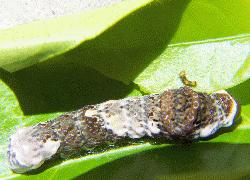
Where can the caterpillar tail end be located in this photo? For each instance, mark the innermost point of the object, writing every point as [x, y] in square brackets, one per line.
[25, 152]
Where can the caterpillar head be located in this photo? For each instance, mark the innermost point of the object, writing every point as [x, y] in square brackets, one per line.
[226, 111]
[186, 114]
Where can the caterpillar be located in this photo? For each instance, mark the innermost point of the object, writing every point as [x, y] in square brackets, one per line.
[176, 114]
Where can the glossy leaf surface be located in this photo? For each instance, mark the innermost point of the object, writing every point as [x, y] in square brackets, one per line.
[144, 45]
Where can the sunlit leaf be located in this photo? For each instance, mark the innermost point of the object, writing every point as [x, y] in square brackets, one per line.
[144, 44]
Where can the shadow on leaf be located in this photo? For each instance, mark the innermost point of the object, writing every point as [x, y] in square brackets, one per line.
[61, 87]
[63, 83]
[201, 160]
[241, 92]
[125, 49]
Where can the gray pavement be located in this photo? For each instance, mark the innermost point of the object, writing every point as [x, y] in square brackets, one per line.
[13, 12]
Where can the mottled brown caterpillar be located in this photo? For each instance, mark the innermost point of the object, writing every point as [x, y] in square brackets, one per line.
[177, 114]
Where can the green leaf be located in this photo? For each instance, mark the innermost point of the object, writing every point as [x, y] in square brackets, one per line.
[179, 27]
[214, 64]
[121, 45]
[42, 40]
[149, 43]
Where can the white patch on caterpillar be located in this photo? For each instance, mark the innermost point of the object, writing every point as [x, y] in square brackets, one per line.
[26, 153]
[90, 113]
[121, 122]
[209, 130]
[153, 128]
[228, 121]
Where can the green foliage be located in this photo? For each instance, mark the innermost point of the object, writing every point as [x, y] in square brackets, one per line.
[132, 48]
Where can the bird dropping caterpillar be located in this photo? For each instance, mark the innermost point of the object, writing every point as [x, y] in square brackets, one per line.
[175, 114]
